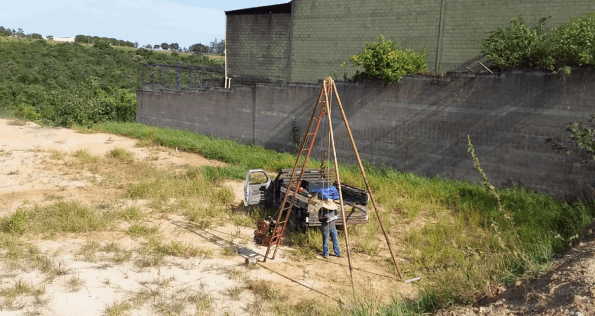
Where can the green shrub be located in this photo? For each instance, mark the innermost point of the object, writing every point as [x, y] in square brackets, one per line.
[540, 47]
[584, 137]
[387, 61]
[520, 45]
[574, 41]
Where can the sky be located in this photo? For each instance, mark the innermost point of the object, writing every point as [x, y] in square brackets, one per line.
[185, 22]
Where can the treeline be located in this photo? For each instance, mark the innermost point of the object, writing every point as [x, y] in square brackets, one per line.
[5, 32]
[197, 48]
[88, 39]
[65, 84]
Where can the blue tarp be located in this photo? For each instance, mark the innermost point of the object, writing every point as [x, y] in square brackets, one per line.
[330, 193]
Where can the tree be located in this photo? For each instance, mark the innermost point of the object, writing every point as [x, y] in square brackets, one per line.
[20, 32]
[102, 44]
[148, 46]
[173, 46]
[36, 36]
[199, 48]
[156, 46]
[135, 44]
[164, 46]
[50, 37]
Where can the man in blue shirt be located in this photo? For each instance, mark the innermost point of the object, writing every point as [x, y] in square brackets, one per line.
[327, 214]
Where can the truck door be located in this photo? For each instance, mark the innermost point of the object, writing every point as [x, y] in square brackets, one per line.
[257, 188]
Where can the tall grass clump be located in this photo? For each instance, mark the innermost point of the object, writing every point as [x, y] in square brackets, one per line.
[70, 217]
[161, 186]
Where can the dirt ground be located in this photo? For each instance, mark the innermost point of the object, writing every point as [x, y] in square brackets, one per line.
[90, 287]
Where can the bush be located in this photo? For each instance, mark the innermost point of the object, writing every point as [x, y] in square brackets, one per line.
[539, 47]
[387, 61]
[574, 41]
[520, 45]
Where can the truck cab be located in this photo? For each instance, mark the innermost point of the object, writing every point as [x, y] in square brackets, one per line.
[260, 189]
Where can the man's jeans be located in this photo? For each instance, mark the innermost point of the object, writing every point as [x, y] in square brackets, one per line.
[330, 229]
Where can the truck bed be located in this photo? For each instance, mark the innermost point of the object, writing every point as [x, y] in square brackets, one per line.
[355, 200]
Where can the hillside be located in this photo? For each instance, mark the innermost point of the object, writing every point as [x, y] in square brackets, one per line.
[65, 84]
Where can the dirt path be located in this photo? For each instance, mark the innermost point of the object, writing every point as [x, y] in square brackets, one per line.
[37, 168]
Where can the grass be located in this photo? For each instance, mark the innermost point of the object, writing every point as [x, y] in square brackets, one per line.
[118, 308]
[137, 230]
[20, 288]
[450, 239]
[153, 252]
[234, 292]
[61, 216]
[74, 283]
[121, 154]
[263, 290]
[85, 156]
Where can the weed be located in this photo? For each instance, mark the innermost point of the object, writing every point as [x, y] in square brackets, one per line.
[306, 308]
[170, 305]
[18, 289]
[74, 283]
[85, 156]
[236, 274]
[149, 139]
[234, 292]
[305, 244]
[132, 213]
[229, 251]
[118, 308]
[141, 230]
[89, 251]
[201, 217]
[57, 217]
[242, 220]
[203, 302]
[262, 289]
[17, 223]
[57, 155]
[121, 154]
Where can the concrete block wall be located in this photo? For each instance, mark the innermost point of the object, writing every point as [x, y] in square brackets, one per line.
[326, 32]
[419, 125]
[258, 47]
